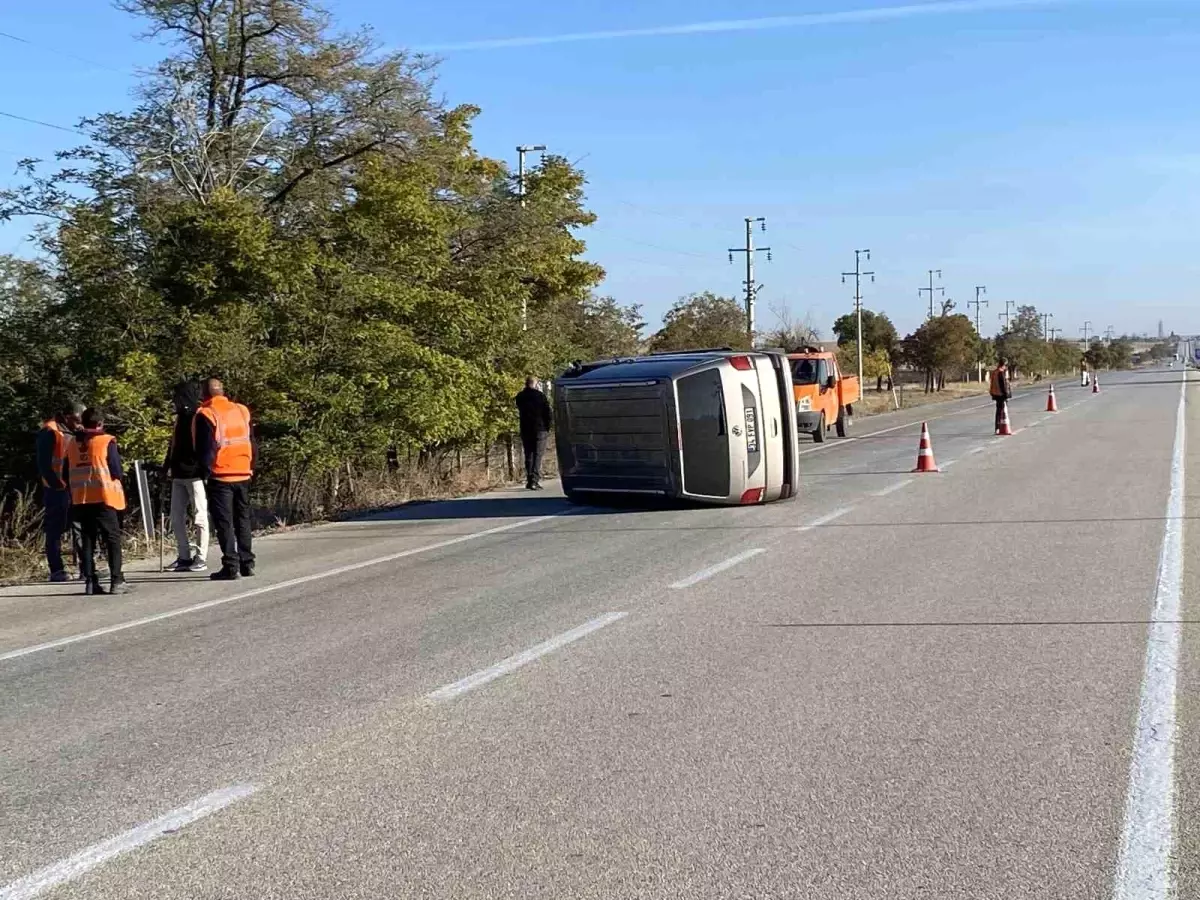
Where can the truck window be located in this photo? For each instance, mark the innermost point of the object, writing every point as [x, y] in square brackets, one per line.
[822, 371]
[804, 371]
[703, 434]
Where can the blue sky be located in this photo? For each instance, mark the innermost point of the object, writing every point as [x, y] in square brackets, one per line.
[1048, 150]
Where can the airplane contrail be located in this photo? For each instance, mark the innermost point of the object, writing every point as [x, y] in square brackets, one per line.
[718, 26]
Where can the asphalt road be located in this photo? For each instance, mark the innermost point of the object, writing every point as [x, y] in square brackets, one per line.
[898, 686]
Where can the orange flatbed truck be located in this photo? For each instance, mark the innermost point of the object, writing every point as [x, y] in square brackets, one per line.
[825, 396]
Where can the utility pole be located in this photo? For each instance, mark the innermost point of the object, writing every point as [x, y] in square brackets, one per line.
[1046, 317]
[932, 289]
[1086, 327]
[858, 274]
[1109, 332]
[1006, 316]
[977, 303]
[751, 288]
[1054, 333]
[522, 149]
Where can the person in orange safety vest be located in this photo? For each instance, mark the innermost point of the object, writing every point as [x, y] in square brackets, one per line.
[226, 451]
[52, 441]
[93, 471]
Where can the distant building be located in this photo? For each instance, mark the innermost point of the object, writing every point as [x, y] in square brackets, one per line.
[1161, 335]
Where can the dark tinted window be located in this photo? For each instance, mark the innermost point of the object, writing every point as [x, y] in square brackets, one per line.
[804, 371]
[703, 434]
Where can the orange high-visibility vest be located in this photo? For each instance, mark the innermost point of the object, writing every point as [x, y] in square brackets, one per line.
[91, 482]
[62, 440]
[995, 383]
[231, 431]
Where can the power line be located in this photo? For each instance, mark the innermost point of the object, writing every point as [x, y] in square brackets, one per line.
[47, 49]
[9, 115]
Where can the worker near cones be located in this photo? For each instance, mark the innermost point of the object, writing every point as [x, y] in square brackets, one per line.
[1001, 391]
[92, 468]
[226, 453]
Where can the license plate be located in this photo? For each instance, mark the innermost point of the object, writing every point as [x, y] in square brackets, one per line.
[751, 431]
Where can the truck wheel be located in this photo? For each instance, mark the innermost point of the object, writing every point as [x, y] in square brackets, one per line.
[842, 421]
[819, 434]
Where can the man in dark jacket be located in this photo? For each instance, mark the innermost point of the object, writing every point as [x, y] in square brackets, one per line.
[187, 487]
[52, 442]
[533, 410]
[1001, 390]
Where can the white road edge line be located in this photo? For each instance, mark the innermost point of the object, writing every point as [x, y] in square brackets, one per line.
[1147, 839]
[267, 589]
[89, 858]
[892, 488]
[825, 519]
[524, 658]
[712, 570]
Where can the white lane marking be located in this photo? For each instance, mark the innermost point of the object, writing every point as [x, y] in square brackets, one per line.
[892, 488]
[717, 568]
[267, 589]
[524, 658]
[825, 519]
[843, 442]
[946, 464]
[1147, 841]
[89, 858]
[977, 450]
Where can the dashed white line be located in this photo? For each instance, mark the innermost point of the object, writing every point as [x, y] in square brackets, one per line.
[267, 589]
[1148, 837]
[89, 858]
[715, 569]
[892, 488]
[977, 450]
[524, 658]
[825, 519]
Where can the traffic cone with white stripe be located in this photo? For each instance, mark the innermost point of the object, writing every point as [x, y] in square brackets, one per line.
[1005, 425]
[1096, 383]
[1051, 403]
[925, 462]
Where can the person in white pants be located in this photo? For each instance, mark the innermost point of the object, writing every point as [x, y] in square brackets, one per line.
[187, 488]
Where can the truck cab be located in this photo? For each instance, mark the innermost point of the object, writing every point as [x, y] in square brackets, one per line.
[824, 395]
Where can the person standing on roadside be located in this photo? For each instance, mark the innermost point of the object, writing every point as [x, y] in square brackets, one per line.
[533, 411]
[187, 488]
[53, 440]
[226, 452]
[1001, 390]
[93, 470]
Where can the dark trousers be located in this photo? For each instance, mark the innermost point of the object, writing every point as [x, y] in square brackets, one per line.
[56, 521]
[98, 522]
[1001, 402]
[535, 449]
[229, 509]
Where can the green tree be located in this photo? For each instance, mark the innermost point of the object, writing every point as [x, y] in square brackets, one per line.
[879, 336]
[1024, 343]
[703, 320]
[944, 345]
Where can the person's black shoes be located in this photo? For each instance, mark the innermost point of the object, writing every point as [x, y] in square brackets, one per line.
[224, 574]
[92, 587]
[247, 570]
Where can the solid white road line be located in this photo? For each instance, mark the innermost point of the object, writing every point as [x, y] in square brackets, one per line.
[977, 450]
[85, 860]
[270, 588]
[891, 489]
[1147, 841]
[524, 658]
[714, 569]
[825, 519]
[943, 466]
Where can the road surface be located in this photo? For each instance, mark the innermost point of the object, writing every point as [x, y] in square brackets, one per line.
[899, 686]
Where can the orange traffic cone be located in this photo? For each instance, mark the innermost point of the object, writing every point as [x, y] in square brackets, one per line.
[925, 461]
[1051, 403]
[1005, 426]
[1096, 384]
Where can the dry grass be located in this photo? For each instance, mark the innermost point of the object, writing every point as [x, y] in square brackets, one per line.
[912, 395]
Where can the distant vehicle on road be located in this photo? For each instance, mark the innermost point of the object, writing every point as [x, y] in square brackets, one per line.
[713, 426]
[824, 395]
